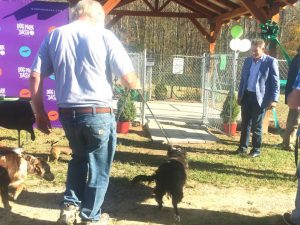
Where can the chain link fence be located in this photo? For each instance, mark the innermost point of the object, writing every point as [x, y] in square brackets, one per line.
[219, 85]
[174, 77]
[138, 62]
[211, 80]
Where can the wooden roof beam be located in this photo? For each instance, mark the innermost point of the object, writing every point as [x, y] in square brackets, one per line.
[237, 12]
[149, 5]
[210, 5]
[124, 2]
[110, 5]
[291, 2]
[200, 28]
[195, 8]
[164, 5]
[227, 3]
[154, 14]
[156, 4]
[215, 30]
[257, 12]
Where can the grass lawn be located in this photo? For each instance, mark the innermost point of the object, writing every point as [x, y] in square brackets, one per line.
[212, 167]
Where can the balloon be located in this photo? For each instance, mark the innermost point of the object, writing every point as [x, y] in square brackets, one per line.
[245, 45]
[236, 31]
[235, 44]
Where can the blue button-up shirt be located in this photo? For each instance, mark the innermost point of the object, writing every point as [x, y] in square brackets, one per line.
[254, 70]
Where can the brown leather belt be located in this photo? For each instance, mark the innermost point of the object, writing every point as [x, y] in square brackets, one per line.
[98, 110]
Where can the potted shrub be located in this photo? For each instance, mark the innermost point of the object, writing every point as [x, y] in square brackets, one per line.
[126, 113]
[229, 120]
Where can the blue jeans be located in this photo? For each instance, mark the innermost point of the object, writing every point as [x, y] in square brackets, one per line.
[92, 138]
[252, 117]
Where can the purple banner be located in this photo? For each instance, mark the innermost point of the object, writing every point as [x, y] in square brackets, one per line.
[23, 26]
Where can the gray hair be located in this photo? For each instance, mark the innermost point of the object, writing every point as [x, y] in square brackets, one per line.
[89, 8]
[258, 42]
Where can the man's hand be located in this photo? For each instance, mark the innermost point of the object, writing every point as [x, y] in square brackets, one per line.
[272, 105]
[131, 81]
[43, 123]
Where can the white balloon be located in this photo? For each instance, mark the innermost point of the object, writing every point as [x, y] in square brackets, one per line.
[235, 44]
[245, 45]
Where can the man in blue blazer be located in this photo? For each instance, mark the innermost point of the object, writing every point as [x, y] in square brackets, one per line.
[258, 91]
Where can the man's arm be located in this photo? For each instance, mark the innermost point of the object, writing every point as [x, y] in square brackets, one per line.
[275, 83]
[36, 89]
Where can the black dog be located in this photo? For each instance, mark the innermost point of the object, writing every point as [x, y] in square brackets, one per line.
[4, 182]
[170, 178]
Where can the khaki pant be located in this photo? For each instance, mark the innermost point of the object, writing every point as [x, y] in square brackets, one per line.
[292, 123]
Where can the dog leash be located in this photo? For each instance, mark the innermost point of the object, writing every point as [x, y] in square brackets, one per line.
[144, 101]
[158, 124]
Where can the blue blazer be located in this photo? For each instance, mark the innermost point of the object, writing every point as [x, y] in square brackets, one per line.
[267, 85]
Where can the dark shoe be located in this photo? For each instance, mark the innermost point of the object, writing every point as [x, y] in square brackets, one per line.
[289, 147]
[104, 220]
[240, 152]
[287, 219]
[254, 154]
[67, 215]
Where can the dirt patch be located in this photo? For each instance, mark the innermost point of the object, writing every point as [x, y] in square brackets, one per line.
[132, 205]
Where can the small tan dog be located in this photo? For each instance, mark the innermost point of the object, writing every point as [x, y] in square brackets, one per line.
[18, 165]
[56, 150]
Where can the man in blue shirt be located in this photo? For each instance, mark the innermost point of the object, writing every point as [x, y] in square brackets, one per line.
[258, 91]
[293, 100]
[83, 55]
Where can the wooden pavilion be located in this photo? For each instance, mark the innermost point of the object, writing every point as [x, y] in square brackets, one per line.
[217, 12]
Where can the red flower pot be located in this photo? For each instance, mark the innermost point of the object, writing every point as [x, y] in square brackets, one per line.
[230, 128]
[123, 127]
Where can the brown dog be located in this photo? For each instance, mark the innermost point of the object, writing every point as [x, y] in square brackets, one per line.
[4, 182]
[18, 165]
[56, 150]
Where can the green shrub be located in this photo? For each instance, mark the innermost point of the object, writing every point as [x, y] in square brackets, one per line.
[225, 114]
[128, 110]
[160, 92]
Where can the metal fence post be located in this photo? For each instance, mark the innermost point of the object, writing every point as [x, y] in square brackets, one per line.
[205, 95]
[143, 86]
[232, 89]
[202, 78]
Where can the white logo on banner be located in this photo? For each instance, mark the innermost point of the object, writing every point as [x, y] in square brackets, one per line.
[24, 72]
[51, 95]
[25, 29]
[2, 50]
[2, 91]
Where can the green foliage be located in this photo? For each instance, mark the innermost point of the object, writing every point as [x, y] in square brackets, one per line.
[160, 91]
[225, 114]
[127, 106]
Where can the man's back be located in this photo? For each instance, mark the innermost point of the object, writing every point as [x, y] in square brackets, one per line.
[82, 56]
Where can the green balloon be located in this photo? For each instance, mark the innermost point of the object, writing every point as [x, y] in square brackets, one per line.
[236, 31]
